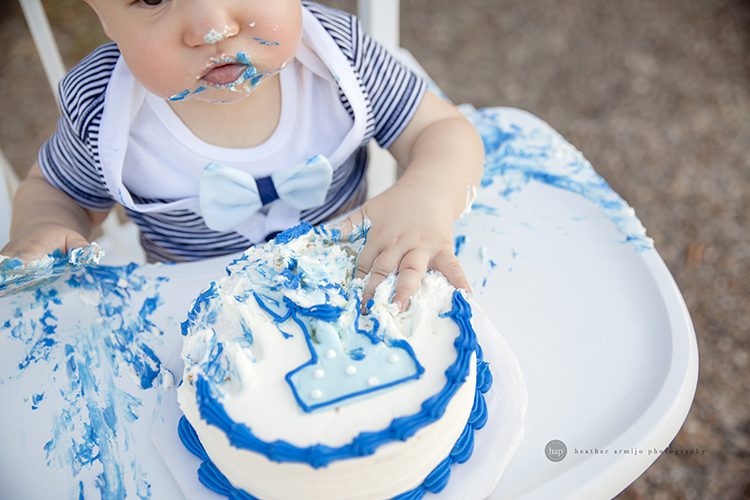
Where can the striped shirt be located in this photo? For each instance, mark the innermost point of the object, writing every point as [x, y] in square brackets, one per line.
[69, 160]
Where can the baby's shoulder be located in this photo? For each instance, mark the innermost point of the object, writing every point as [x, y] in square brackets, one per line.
[82, 89]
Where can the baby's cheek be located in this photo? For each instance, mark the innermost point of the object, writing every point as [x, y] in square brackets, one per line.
[276, 33]
[164, 77]
[271, 59]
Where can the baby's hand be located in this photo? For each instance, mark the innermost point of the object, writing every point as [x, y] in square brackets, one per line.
[34, 242]
[411, 231]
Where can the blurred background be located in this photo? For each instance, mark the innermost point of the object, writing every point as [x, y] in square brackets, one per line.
[656, 94]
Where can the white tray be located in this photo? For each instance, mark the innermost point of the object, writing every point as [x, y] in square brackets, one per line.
[597, 323]
[601, 334]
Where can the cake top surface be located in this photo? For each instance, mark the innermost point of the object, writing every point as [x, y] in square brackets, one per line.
[281, 345]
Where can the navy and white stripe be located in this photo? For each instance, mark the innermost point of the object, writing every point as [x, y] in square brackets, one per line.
[70, 159]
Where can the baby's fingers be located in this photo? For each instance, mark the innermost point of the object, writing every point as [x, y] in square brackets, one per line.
[410, 273]
[74, 240]
[382, 266]
[26, 253]
[34, 248]
[348, 225]
[366, 259]
[447, 263]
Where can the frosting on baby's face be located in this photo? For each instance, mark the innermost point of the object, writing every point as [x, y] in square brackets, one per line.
[210, 50]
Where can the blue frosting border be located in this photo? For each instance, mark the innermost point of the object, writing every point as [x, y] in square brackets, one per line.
[365, 443]
[210, 476]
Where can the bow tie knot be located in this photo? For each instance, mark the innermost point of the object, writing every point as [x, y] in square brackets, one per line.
[229, 196]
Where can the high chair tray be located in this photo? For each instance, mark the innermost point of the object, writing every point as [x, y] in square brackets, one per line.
[557, 261]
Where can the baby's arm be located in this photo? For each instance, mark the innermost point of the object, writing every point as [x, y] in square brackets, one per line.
[45, 218]
[412, 226]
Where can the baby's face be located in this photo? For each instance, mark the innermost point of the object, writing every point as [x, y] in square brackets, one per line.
[213, 50]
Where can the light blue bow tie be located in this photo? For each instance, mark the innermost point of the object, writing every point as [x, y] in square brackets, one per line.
[228, 196]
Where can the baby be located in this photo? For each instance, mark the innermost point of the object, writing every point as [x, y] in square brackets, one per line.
[218, 123]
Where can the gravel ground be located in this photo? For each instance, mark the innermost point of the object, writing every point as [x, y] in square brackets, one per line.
[655, 94]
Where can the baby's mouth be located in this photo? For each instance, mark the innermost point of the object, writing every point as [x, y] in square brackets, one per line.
[231, 73]
[224, 74]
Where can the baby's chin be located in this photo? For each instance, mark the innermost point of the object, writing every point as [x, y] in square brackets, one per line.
[208, 95]
[216, 96]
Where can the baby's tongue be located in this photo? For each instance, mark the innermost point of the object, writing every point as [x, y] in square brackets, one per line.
[224, 75]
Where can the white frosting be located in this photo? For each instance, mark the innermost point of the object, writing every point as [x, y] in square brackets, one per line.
[257, 394]
[471, 196]
[394, 469]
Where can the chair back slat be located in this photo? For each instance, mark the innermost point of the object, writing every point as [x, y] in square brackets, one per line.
[381, 20]
[46, 47]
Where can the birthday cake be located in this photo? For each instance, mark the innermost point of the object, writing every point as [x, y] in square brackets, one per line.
[290, 391]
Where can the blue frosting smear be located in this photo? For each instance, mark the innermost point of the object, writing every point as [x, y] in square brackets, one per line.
[16, 276]
[79, 366]
[212, 478]
[460, 241]
[366, 443]
[517, 154]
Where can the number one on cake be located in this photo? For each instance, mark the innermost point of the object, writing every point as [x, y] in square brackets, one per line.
[346, 364]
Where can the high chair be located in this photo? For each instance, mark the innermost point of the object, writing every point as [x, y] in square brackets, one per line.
[600, 330]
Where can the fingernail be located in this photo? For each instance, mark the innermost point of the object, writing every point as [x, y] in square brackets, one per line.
[399, 305]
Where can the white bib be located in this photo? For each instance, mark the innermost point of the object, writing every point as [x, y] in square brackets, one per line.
[145, 150]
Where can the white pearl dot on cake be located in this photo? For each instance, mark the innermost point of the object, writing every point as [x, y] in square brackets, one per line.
[373, 381]
[393, 358]
[330, 354]
[319, 373]
[351, 370]
[316, 394]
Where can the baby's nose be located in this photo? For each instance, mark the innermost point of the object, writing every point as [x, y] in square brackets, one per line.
[208, 23]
